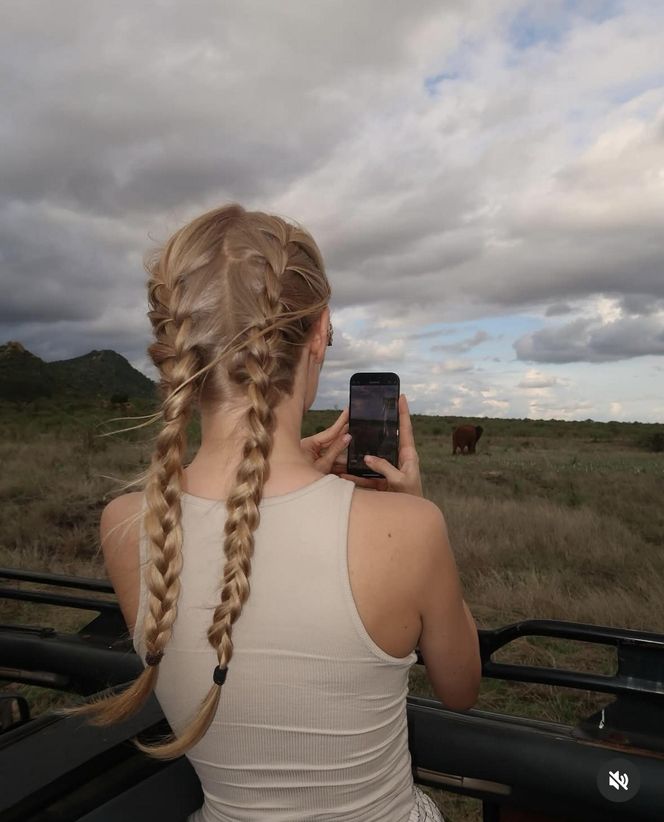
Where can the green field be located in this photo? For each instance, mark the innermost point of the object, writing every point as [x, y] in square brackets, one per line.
[550, 519]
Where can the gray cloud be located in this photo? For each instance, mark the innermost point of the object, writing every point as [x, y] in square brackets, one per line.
[640, 304]
[58, 266]
[353, 354]
[110, 128]
[526, 178]
[219, 104]
[424, 335]
[462, 346]
[455, 366]
[537, 381]
[591, 340]
[558, 309]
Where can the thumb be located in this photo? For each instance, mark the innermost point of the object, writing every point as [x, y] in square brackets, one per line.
[381, 466]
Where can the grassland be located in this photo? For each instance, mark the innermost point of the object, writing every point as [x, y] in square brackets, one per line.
[550, 519]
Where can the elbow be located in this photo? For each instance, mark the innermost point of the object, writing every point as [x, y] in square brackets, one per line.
[467, 704]
[461, 702]
[465, 695]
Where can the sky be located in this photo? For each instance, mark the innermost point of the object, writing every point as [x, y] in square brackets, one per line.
[485, 179]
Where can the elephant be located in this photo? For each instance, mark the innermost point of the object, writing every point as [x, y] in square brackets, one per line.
[466, 436]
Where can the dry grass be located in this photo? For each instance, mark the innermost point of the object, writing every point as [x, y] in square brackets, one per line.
[548, 520]
[556, 530]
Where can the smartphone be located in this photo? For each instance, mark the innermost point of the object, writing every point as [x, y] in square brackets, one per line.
[373, 420]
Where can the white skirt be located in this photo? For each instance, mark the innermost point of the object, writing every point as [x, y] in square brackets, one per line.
[425, 809]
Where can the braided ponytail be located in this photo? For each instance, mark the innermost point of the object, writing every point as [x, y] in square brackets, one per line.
[253, 369]
[173, 353]
[243, 516]
[233, 296]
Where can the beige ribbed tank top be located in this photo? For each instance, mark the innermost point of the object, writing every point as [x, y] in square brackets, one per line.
[311, 723]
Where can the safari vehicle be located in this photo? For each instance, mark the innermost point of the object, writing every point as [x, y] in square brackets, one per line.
[608, 767]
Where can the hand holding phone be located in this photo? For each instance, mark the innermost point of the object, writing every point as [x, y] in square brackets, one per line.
[406, 477]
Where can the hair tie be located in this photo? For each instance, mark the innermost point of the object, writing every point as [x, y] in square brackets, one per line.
[219, 674]
[153, 657]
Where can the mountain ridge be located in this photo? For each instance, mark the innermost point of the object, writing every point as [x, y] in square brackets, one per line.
[98, 374]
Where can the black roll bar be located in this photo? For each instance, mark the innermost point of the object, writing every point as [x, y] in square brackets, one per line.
[640, 654]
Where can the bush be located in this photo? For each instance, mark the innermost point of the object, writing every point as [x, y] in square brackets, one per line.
[654, 442]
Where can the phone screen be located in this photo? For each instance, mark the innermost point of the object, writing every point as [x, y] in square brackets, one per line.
[373, 421]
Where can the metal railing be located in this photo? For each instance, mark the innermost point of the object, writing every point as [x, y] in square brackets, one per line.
[640, 654]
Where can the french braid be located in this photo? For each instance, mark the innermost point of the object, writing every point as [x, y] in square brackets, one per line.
[177, 360]
[243, 516]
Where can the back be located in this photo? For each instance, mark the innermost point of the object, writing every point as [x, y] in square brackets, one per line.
[312, 717]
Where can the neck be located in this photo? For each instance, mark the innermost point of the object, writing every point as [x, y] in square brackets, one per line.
[223, 434]
[222, 442]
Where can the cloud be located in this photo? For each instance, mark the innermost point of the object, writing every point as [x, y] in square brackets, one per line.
[363, 354]
[464, 199]
[495, 407]
[57, 265]
[453, 366]
[593, 340]
[640, 304]
[569, 411]
[423, 335]
[535, 379]
[463, 345]
[558, 309]
[476, 162]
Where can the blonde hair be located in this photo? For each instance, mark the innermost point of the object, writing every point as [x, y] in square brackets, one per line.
[233, 295]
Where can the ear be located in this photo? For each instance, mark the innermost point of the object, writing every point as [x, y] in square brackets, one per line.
[319, 332]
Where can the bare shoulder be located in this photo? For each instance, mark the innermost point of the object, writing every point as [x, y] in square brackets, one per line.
[403, 513]
[391, 542]
[119, 531]
[414, 527]
[120, 511]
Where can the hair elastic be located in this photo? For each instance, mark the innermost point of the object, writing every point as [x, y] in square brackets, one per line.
[153, 657]
[219, 674]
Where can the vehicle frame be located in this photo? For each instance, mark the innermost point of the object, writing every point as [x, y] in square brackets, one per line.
[62, 768]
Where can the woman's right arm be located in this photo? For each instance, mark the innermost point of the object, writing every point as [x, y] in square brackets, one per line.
[448, 641]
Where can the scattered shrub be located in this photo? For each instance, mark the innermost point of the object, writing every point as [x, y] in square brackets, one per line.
[654, 442]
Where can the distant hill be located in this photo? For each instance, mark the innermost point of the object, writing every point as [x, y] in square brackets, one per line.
[100, 374]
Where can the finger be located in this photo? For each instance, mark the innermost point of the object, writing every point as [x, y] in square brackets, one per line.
[339, 427]
[406, 437]
[381, 466]
[326, 462]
